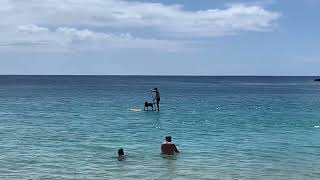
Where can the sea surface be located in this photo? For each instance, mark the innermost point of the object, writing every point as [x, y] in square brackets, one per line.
[70, 127]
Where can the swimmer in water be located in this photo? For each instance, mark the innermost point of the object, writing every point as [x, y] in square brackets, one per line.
[168, 148]
[121, 155]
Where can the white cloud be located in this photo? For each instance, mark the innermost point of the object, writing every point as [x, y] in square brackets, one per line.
[64, 38]
[46, 21]
[96, 40]
[31, 28]
[166, 18]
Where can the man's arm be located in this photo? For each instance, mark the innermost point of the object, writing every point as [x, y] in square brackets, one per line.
[175, 149]
[162, 148]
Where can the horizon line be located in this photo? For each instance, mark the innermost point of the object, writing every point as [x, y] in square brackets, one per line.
[160, 75]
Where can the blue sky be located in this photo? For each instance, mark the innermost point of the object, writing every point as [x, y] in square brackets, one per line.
[160, 37]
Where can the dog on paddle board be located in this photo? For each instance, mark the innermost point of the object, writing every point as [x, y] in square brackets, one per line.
[147, 105]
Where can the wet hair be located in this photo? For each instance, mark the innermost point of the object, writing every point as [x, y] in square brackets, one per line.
[120, 152]
[168, 138]
[155, 89]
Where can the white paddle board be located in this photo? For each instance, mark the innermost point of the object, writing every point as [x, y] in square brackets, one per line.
[135, 110]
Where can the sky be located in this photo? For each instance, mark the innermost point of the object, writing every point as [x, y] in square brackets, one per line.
[160, 37]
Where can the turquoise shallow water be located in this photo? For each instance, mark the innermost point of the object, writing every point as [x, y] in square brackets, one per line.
[70, 127]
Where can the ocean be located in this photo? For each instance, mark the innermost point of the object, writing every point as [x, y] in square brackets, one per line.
[70, 127]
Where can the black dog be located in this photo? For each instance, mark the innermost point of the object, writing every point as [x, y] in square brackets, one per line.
[147, 105]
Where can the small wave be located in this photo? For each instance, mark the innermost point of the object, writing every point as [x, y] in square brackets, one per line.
[317, 126]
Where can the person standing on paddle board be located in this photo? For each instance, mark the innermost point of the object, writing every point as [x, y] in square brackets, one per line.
[157, 97]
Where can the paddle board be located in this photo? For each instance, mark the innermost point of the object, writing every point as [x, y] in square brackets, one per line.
[135, 110]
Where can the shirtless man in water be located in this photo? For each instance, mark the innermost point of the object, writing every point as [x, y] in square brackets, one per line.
[168, 148]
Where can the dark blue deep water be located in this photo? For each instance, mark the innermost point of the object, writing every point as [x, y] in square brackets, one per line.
[70, 127]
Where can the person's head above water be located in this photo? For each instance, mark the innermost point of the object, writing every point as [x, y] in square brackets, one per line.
[168, 138]
[120, 152]
[156, 89]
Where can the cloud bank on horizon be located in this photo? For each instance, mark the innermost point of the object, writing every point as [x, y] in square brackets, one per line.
[99, 24]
